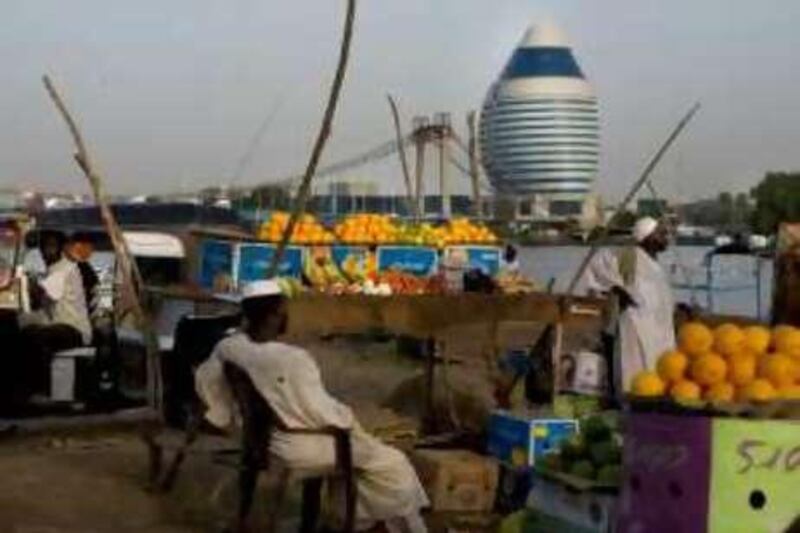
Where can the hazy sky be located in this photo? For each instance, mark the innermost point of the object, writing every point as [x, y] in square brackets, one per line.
[170, 92]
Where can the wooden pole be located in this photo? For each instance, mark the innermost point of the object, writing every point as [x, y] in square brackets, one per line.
[638, 184]
[474, 168]
[131, 278]
[322, 138]
[401, 150]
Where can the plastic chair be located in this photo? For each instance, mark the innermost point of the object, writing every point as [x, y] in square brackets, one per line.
[259, 420]
[195, 339]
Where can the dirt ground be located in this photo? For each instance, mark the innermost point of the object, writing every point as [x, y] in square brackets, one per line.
[96, 484]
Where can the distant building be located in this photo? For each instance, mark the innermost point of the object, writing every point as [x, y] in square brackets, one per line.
[10, 202]
[343, 204]
[651, 207]
[361, 196]
[540, 129]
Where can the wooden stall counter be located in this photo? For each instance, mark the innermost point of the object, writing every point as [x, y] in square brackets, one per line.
[425, 316]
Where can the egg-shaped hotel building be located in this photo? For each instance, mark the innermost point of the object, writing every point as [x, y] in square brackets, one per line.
[540, 128]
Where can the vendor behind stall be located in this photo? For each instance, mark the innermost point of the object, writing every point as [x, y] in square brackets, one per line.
[632, 275]
[509, 265]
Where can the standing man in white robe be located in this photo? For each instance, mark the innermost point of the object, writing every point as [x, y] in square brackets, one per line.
[646, 306]
[287, 376]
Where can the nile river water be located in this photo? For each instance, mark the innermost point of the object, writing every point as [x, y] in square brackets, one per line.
[734, 277]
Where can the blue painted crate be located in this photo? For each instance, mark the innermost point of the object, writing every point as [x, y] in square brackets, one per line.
[216, 261]
[519, 441]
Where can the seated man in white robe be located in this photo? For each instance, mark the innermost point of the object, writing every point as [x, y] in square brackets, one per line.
[388, 489]
[646, 307]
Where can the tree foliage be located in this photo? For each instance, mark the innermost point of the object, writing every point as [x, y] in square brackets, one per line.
[777, 200]
[727, 212]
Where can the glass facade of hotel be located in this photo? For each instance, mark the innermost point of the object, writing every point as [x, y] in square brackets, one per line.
[540, 130]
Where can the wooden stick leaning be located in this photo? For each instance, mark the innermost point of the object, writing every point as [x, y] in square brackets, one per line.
[638, 184]
[322, 139]
[412, 206]
[131, 277]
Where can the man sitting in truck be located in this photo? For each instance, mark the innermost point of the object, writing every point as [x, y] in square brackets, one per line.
[79, 250]
[60, 319]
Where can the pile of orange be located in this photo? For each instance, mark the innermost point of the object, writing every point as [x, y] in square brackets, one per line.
[366, 228]
[377, 229]
[369, 228]
[307, 230]
[463, 231]
[456, 231]
[725, 365]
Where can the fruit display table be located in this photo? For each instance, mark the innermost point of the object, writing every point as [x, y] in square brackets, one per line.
[361, 253]
[421, 316]
[424, 316]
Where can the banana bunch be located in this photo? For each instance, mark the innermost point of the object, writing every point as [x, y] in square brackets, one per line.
[322, 273]
[354, 268]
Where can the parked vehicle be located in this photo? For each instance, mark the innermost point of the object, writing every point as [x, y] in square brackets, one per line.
[110, 375]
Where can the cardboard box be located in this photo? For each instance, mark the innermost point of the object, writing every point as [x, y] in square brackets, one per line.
[547, 523]
[585, 373]
[723, 474]
[519, 440]
[513, 488]
[577, 511]
[457, 480]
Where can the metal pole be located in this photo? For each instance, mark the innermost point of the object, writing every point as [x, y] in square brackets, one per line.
[419, 171]
[710, 284]
[442, 174]
[758, 288]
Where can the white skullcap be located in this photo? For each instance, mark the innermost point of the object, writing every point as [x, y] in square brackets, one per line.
[262, 288]
[643, 228]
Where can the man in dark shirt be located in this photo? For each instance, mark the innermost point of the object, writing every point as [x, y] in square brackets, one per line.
[79, 250]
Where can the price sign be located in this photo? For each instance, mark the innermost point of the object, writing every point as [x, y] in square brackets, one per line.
[484, 258]
[255, 259]
[755, 475]
[411, 259]
[341, 252]
[216, 261]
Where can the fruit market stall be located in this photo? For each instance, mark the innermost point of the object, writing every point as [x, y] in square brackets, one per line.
[712, 432]
[715, 431]
[365, 253]
[368, 274]
[582, 472]
[354, 285]
[727, 369]
[426, 316]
